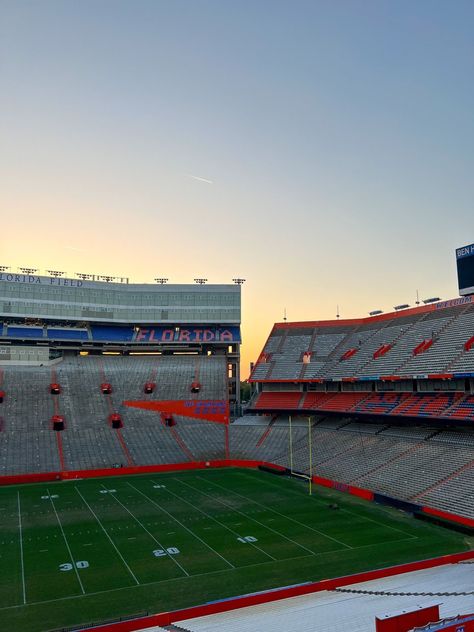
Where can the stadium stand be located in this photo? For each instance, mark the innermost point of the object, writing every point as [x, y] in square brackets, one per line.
[430, 405]
[403, 462]
[368, 385]
[449, 586]
[380, 403]
[279, 400]
[28, 443]
[353, 349]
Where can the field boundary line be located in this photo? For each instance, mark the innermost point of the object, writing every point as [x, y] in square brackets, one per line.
[21, 548]
[160, 581]
[109, 538]
[242, 513]
[329, 537]
[180, 523]
[149, 532]
[174, 579]
[218, 521]
[382, 524]
[73, 561]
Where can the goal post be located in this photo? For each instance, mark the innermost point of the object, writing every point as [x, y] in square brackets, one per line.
[293, 472]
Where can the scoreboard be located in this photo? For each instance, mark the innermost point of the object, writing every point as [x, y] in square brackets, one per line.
[465, 265]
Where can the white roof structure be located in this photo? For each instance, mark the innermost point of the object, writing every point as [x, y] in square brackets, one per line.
[450, 586]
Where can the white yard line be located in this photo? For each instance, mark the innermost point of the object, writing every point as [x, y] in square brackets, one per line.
[239, 535]
[322, 502]
[221, 524]
[172, 557]
[329, 537]
[73, 562]
[108, 537]
[21, 548]
[242, 513]
[181, 524]
[161, 581]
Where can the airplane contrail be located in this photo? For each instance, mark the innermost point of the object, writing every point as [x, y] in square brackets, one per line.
[199, 178]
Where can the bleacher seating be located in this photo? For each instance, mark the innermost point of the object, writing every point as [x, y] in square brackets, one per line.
[331, 610]
[427, 404]
[404, 462]
[278, 400]
[428, 464]
[342, 402]
[447, 329]
[449, 405]
[380, 403]
[314, 400]
[463, 408]
[28, 443]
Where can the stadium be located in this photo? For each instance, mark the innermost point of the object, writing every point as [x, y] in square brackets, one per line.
[138, 494]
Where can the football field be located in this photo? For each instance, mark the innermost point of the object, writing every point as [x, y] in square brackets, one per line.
[89, 550]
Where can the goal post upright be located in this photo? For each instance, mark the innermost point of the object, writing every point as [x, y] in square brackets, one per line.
[309, 476]
[310, 457]
[291, 445]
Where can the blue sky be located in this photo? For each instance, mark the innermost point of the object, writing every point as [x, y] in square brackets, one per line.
[337, 137]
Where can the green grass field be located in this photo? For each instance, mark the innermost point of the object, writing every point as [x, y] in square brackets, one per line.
[89, 550]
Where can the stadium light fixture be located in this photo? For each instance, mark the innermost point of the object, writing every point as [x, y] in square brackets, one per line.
[200, 281]
[161, 280]
[107, 278]
[375, 312]
[239, 281]
[85, 277]
[4, 268]
[55, 273]
[434, 299]
[28, 270]
[402, 306]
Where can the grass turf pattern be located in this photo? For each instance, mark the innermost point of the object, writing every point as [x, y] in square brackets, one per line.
[89, 550]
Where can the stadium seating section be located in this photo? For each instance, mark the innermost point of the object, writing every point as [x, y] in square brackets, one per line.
[28, 443]
[418, 342]
[430, 465]
[326, 376]
[439, 406]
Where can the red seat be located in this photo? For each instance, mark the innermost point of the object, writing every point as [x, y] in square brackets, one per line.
[58, 422]
[115, 420]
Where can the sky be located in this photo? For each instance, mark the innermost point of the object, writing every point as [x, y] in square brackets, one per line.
[323, 150]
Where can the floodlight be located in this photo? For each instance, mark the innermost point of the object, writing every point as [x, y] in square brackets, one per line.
[403, 306]
[28, 270]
